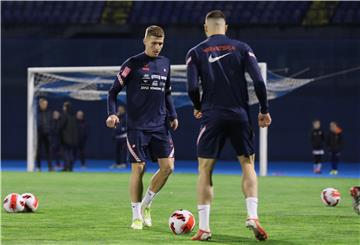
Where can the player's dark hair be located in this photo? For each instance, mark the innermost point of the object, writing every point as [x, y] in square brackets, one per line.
[215, 14]
[316, 120]
[67, 105]
[155, 31]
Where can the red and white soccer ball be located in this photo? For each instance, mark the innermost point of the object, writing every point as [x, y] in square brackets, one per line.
[14, 203]
[330, 197]
[181, 222]
[31, 202]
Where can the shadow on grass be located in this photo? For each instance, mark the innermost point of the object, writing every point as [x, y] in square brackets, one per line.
[230, 239]
[219, 239]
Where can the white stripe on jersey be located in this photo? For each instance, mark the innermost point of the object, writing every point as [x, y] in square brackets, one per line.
[251, 54]
[120, 79]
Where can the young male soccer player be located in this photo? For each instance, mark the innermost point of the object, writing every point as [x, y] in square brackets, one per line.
[220, 63]
[147, 80]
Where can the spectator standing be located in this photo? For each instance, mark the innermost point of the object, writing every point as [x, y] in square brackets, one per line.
[43, 133]
[120, 140]
[55, 140]
[334, 143]
[69, 136]
[317, 142]
[82, 134]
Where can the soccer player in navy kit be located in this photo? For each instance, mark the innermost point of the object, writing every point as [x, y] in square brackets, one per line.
[147, 80]
[219, 64]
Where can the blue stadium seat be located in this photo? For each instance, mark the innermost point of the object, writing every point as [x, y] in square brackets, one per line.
[60, 12]
[180, 12]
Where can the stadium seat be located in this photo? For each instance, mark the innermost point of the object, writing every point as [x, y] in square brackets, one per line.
[183, 13]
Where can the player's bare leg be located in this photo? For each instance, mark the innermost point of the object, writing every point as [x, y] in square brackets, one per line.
[136, 190]
[205, 186]
[166, 167]
[249, 187]
[249, 178]
[136, 184]
[205, 194]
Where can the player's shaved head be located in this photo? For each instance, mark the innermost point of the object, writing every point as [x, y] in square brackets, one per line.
[215, 14]
[215, 23]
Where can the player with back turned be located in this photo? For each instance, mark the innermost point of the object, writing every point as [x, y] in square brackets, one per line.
[218, 64]
[149, 103]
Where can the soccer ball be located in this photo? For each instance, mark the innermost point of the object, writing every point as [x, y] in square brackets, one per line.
[330, 197]
[181, 222]
[14, 203]
[31, 202]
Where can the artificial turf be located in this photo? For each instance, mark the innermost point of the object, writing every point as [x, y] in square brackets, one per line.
[94, 208]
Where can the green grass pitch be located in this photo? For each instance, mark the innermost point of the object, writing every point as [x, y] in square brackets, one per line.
[93, 208]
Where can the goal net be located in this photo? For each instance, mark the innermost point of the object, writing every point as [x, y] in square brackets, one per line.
[93, 83]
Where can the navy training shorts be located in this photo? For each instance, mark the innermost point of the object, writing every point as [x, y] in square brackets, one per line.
[158, 144]
[213, 134]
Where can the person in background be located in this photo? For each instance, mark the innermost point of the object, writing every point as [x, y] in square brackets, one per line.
[69, 136]
[334, 143]
[55, 142]
[317, 142]
[43, 133]
[120, 140]
[82, 134]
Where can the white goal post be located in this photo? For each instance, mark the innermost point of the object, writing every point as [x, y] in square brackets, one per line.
[263, 134]
[32, 108]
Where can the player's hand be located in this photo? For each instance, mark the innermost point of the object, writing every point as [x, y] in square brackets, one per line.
[264, 120]
[174, 124]
[197, 114]
[111, 121]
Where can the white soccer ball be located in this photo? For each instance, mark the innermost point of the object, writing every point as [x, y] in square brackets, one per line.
[181, 222]
[31, 202]
[330, 197]
[14, 203]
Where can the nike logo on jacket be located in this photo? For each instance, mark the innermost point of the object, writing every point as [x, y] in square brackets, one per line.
[213, 59]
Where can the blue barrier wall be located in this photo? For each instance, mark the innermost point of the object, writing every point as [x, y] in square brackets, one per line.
[331, 99]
